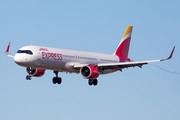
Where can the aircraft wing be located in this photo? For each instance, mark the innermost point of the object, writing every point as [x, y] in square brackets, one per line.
[122, 65]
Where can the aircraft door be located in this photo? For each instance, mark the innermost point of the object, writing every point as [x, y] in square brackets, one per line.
[97, 59]
[77, 57]
[39, 55]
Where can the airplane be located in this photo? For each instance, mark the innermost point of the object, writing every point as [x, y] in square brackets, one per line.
[90, 65]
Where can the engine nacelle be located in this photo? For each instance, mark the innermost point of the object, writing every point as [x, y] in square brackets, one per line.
[89, 72]
[35, 72]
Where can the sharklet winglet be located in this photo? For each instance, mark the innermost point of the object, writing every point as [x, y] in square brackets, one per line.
[7, 50]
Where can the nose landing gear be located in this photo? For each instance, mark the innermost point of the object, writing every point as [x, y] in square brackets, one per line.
[56, 79]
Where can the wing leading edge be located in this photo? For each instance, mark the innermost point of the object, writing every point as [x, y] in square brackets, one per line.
[122, 65]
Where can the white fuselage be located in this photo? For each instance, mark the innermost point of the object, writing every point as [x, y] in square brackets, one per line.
[60, 59]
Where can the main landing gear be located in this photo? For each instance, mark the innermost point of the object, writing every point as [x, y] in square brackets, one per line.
[93, 82]
[28, 77]
[56, 79]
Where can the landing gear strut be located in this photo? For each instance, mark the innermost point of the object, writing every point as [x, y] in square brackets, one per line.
[56, 79]
[93, 82]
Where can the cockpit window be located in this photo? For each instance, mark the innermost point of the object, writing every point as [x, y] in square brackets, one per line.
[25, 51]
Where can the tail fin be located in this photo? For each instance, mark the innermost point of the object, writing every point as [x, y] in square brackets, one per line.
[123, 48]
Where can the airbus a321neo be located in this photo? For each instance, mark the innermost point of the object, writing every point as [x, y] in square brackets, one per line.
[90, 65]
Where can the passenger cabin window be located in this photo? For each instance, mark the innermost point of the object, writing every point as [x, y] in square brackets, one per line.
[25, 51]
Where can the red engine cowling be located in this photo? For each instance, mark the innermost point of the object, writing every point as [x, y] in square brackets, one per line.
[35, 72]
[89, 72]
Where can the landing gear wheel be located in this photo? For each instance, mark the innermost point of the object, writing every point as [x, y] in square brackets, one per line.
[90, 81]
[59, 80]
[56, 79]
[28, 77]
[95, 82]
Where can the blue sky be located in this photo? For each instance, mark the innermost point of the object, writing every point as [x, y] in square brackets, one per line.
[134, 94]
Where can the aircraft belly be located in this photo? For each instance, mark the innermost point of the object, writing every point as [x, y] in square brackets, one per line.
[48, 64]
[54, 64]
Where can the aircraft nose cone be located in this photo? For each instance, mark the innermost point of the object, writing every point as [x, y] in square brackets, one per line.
[17, 59]
[22, 60]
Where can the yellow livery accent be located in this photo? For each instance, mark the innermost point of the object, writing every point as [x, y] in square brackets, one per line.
[128, 30]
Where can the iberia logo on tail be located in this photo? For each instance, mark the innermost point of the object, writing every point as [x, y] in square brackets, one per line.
[123, 48]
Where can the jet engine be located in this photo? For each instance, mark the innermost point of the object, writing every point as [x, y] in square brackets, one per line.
[89, 72]
[35, 72]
